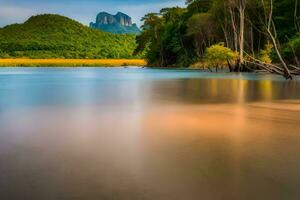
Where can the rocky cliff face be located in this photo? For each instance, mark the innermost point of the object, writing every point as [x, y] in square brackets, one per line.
[119, 23]
[105, 18]
[123, 19]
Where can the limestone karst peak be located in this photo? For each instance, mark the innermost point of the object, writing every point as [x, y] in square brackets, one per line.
[119, 23]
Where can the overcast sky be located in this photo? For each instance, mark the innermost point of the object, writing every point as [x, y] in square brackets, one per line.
[84, 11]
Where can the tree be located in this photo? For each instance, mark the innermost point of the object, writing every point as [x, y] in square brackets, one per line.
[239, 31]
[151, 38]
[270, 29]
[202, 27]
[199, 6]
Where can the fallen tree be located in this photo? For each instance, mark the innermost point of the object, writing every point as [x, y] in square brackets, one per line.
[258, 66]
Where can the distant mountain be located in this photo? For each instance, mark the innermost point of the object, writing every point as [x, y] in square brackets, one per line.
[55, 36]
[118, 24]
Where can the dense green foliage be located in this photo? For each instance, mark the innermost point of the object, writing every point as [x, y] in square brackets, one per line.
[54, 36]
[180, 36]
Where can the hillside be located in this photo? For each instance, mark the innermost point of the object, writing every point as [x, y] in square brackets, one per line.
[55, 36]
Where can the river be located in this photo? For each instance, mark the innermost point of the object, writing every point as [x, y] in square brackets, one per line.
[152, 134]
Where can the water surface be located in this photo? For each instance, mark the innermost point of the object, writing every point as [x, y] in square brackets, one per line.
[114, 133]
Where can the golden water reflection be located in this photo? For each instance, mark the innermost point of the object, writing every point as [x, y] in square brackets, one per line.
[225, 91]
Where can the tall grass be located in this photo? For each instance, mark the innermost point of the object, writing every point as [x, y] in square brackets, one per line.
[26, 62]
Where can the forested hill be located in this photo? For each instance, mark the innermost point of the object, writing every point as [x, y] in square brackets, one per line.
[55, 36]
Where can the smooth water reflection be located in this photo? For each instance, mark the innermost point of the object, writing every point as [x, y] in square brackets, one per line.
[90, 133]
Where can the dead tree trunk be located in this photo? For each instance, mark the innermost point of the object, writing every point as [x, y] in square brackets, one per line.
[235, 34]
[242, 7]
[239, 32]
[272, 35]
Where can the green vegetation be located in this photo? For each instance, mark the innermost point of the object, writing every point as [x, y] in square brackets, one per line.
[217, 55]
[265, 54]
[54, 36]
[255, 29]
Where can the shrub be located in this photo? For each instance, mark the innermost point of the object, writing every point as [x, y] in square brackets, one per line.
[218, 55]
[265, 54]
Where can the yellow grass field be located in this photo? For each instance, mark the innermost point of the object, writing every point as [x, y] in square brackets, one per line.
[26, 62]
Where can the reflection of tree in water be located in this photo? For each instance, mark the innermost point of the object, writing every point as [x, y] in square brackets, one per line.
[223, 90]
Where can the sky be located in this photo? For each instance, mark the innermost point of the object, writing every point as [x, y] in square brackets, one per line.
[84, 11]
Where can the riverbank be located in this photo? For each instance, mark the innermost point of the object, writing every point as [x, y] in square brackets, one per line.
[27, 62]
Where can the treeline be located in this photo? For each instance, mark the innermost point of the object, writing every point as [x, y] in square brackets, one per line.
[245, 34]
[55, 36]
